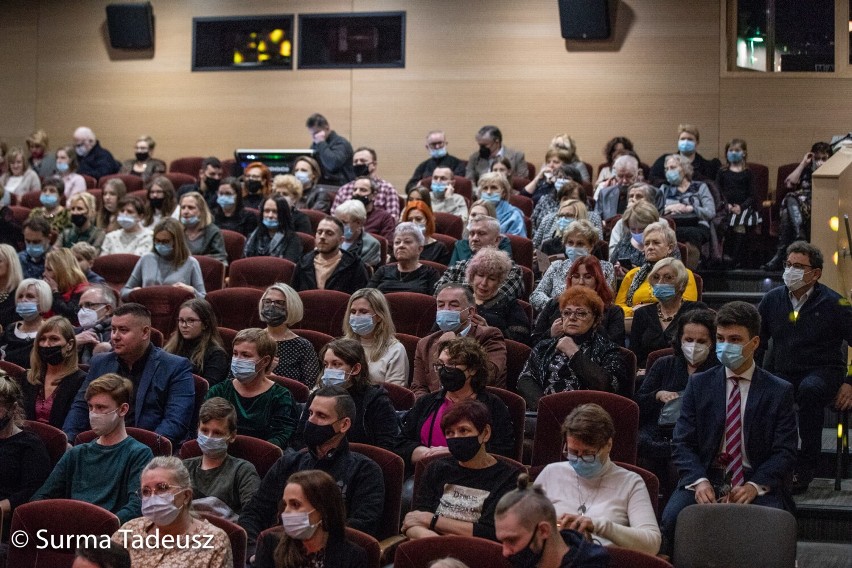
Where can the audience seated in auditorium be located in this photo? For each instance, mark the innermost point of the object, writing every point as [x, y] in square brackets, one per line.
[162, 202]
[549, 202]
[626, 238]
[444, 198]
[464, 370]
[614, 148]
[457, 317]
[333, 152]
[407, 274]
[221, 483]
[53, 378]
[309, 496]
[496, 188]
[486, 272]
[737, 185]
[113, 192]
[26, 463]
[475, 240]
[419, 213]
[613, 200]
[257, 184]
[744, 459]
[143, 163]
[578, 240]
[10, 277]
[37, 243]
[166, 496]
[163, 386]
[688, 139]
[197, 339]
[345, 366]
[581, 359]
[331, 415]
[209, 179]
[66, 168]
[169, 264]
[809, 325]
[203, 237]
[52, 199]
[32, 300]
[307, 170]
[525, 513]
[369, 323]
[545, 180]
[85, 254]
[295, 357]
[659, 242]
[95, 160]
[490, 141]
[328, 267]
[570, 207]
[105, 471]
[20, 178]
[97, 305]
[565, 143]
[275, 236]
[229, 212]
[356, 239]
[40, 160]
[689, 204]
[380, 193]
[436, 145]
[654, 325]
[585, 271]
[290, 188]
[458, 493]
[554, 245]
[82, 211]
[660, 394]
[265, 409]
[132, 237]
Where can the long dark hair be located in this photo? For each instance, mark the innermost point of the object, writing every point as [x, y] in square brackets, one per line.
[285, 219]
[207, 340]
[701, 317]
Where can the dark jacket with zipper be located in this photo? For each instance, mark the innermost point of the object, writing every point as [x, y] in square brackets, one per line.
[349, 275]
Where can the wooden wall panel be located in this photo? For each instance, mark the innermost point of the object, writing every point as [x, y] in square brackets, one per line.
[19, 63]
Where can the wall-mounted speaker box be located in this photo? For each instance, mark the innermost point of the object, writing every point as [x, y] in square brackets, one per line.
[131, 26]
[584, 19]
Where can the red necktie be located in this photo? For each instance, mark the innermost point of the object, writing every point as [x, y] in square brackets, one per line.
[734, 435]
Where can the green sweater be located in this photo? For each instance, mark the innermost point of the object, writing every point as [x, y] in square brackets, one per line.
[234, 482]
[106, 476]
[270, 416]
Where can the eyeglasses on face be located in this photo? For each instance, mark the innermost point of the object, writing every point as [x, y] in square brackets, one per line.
[277, 303]
[576, 314]
[159, 489]
[797, 266]
[186, 322]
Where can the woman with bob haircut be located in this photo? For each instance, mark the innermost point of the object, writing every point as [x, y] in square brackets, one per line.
[486, 272]
[32, 300]
[407, 274]
[370, 324]
[67, 282]
[307, 170]
[496, 188]
[290, 188]
[202, 237]
[419, 213]
[198, 340]
[83, 209]
[10, 276]
[281, 307]
[257, 184]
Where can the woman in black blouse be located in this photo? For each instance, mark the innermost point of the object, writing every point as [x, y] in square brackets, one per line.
[295, 357]
[407, 274]
[419, 213]
[275, 236]
[229, 212]
[198, 340]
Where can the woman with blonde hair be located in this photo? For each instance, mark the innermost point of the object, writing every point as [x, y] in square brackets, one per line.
[496, 188]
[281, 307]
[548, 237]
[307, 170]
[67, 282]
[54, 377]
[202, 236]
[113, 192]
[631, 245]
[143, 165]
[290, 188]
[83, 210]
[370, 324]
[32, 300]
[486, 272]
[42, 163]
[10, 276]
[20, 177]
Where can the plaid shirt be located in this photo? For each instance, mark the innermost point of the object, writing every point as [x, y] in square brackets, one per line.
[386, 197]
[512, 288]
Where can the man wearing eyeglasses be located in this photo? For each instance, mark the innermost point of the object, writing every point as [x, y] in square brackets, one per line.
[808, 324]
[97, 305]
[436, 145]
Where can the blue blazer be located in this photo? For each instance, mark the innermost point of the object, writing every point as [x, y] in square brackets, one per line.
[165, 398]
[769, 427]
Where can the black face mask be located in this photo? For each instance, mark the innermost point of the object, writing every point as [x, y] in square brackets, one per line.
[212, 184]
[156, 202]
[253, 185]
[273, 315]
[363, 199]
[142, 156]
[361, 170]
[464, 448]
[79, 220]
[316, 435]
[51, 355]
[452, 379]
[484, 152]
[526, 558]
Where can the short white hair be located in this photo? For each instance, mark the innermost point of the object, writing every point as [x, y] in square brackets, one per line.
[626, 161]
[85, 132]
[491, 223]
[353, 208]
[409, 228]
[43, 293]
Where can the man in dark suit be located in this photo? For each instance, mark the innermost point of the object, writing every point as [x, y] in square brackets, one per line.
[163, 396]
[735, 440]
[491, 149]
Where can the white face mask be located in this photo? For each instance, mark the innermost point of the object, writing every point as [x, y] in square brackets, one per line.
[87, 317]
[160, 509]
[794, 278]
[105, 423]
[298, 525]
[695, 353]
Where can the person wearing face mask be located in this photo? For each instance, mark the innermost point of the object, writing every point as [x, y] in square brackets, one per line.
[525, 524]
[687, 143]
[737, 185]
[221, 483]
[162, 202]
[275, 234]
[265, 409]
[345, 365]
[167, 500]
[629, 242]
[654, 325]
[197, 339]
[369, 322]
[52, 198]
[407, 274]
[143, 163]
[436, 145]
[95, 161]
[210, 178]
[491, 148]
[53, 378]
[383, 197]
[331, 415]
[463, 370]
[314, 196]
[229, 212]
[546, 180]
[420, 213]
[132, 238]
[257, 180]
[694, 347]
[290, 188]
[203, 237]
[356, 239]
[808, 324]
[496, 188]
[83, 209]
[97, 304]
[594, 496]
[104, 472]
[37, 243]
[742, 454]
[295, 357]
[66, 168]
[10, 277]
[552, 230]
[443, 197]
[690, 204]
[313, 523]
[457, 494]
[567, 185]
[32, 299]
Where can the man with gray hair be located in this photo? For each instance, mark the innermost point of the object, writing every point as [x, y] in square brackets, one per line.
[93, 160]
[97, 305]
[436, 145]
[612, 200]
[356, 240]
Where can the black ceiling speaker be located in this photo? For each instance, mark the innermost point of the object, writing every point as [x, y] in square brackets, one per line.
[584, 19]
[131, 26]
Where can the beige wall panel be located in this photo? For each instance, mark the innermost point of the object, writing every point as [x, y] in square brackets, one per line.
[19, 59]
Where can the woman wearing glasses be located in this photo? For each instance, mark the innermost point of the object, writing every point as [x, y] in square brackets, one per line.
[199, 341]
[166, 495]
[295, 357]
[594, 496]
[582, 358]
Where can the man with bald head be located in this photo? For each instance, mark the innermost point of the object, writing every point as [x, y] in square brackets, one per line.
[93, 160]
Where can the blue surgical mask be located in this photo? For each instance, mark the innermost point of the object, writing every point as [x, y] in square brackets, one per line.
[559, 183]
[62, 167]
[587, 470]
[421, 227]
[492, 197]
[439, 153]
[35, 251]
[362, 325]
[126, 221]
[243, 370]
[448, 320]
[730, 354]
[563, 222]
[211, 446]
[686, 146]
[226, 200]
[48, 199]
[673, 177]
[333, 377]
[347, 232]
[303, 177]
[190, 221]
[734, 157]
[270, 223]
[164, 250]
[27, 310]
[663, 292]
[638, 238]
[438, 189]
[573, 253]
